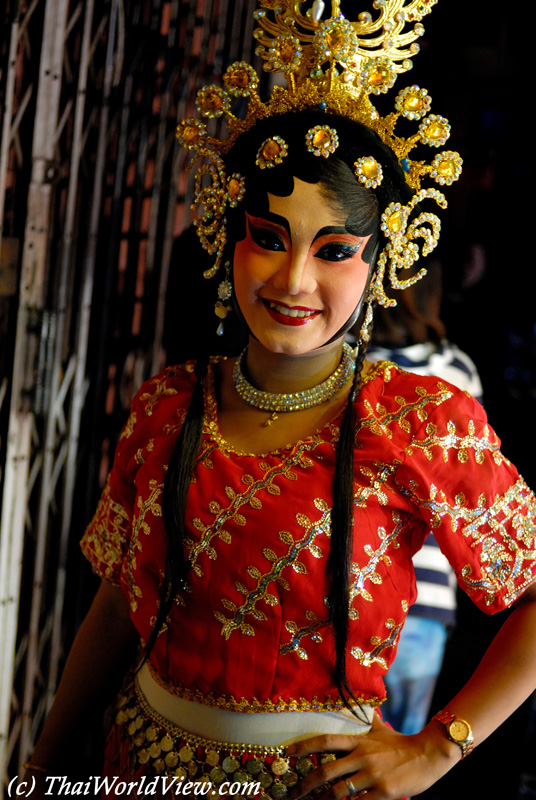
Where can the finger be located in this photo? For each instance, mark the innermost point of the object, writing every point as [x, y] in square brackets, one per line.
[327, 743]
[329, 772]
[353, 787]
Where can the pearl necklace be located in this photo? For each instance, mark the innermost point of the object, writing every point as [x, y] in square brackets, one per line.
[296, 401]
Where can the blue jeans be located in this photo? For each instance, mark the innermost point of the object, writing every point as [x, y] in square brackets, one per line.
[412, 677]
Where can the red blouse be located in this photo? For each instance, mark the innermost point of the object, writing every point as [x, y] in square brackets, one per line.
[251, 633]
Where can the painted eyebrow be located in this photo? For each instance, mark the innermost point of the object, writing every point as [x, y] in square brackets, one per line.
[331, 229]
[325, 231]
[275, 218]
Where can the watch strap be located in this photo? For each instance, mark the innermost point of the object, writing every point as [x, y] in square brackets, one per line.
[446, 717]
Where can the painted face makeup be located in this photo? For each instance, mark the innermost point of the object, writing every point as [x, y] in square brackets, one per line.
[298, 273]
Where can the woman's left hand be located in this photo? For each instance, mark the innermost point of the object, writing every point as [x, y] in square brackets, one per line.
[381, 765]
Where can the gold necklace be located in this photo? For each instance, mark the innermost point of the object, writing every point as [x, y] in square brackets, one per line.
[295, 401]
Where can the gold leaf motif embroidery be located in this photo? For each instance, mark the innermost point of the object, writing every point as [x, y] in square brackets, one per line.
[382, 426]
[247, 497]
[106, 541]
[158, 390]
[374, 656]
[129, 427]
[376, 482]
[360, 575]
[311, 631]
[290, 559]
[151, 505]
[503, 562]
[460, 443]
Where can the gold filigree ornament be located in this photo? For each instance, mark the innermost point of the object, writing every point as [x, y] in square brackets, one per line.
[336, 66]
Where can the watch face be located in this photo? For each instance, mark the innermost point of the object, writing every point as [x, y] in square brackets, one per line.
[459, 730]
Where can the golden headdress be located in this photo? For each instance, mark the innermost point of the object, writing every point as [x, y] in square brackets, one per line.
[332, 65]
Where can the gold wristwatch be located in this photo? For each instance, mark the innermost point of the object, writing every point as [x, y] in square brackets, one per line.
[458, 730]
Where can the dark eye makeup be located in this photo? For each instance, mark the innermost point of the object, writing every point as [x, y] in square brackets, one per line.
[270, 239]
[337, 251]
[266, 238]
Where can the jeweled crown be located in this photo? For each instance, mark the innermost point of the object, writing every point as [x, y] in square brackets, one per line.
[331, 65]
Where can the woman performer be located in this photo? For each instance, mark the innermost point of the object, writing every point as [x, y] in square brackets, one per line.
[257, 530]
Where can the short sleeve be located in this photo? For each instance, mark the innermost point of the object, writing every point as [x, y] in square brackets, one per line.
[156, 414]
[106, 539]
[482, 513]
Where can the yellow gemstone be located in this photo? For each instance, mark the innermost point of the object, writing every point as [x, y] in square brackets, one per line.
[270, 150]
[435, 130]
[336, 40]
[240, 79]
[395, 222]
[370, 168]
[286, 53]
[413, 102]
[321, 139]
[233, 188]
[190, 133]
[221, 313]
[212, 101]
[446, 168]
[378, 76]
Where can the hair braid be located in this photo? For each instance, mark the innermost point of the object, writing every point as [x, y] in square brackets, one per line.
[342, 524]
[174, 497]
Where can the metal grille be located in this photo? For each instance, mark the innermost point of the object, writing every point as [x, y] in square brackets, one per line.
[90, 208]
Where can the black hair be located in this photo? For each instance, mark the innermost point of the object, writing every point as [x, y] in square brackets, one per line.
[362, 207]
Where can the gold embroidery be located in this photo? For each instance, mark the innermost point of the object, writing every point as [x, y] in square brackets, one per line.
[105, 541]
[255, 706]
[504, 564]
[148, 448]
[377, 480]
[379, 422]
[157, 388]
[312, 631]
[462, 444]
[370, 572]
[274, 574]
[248, 497]
[439, 507]
[151, 504]
[129, 427]
[367, 659]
